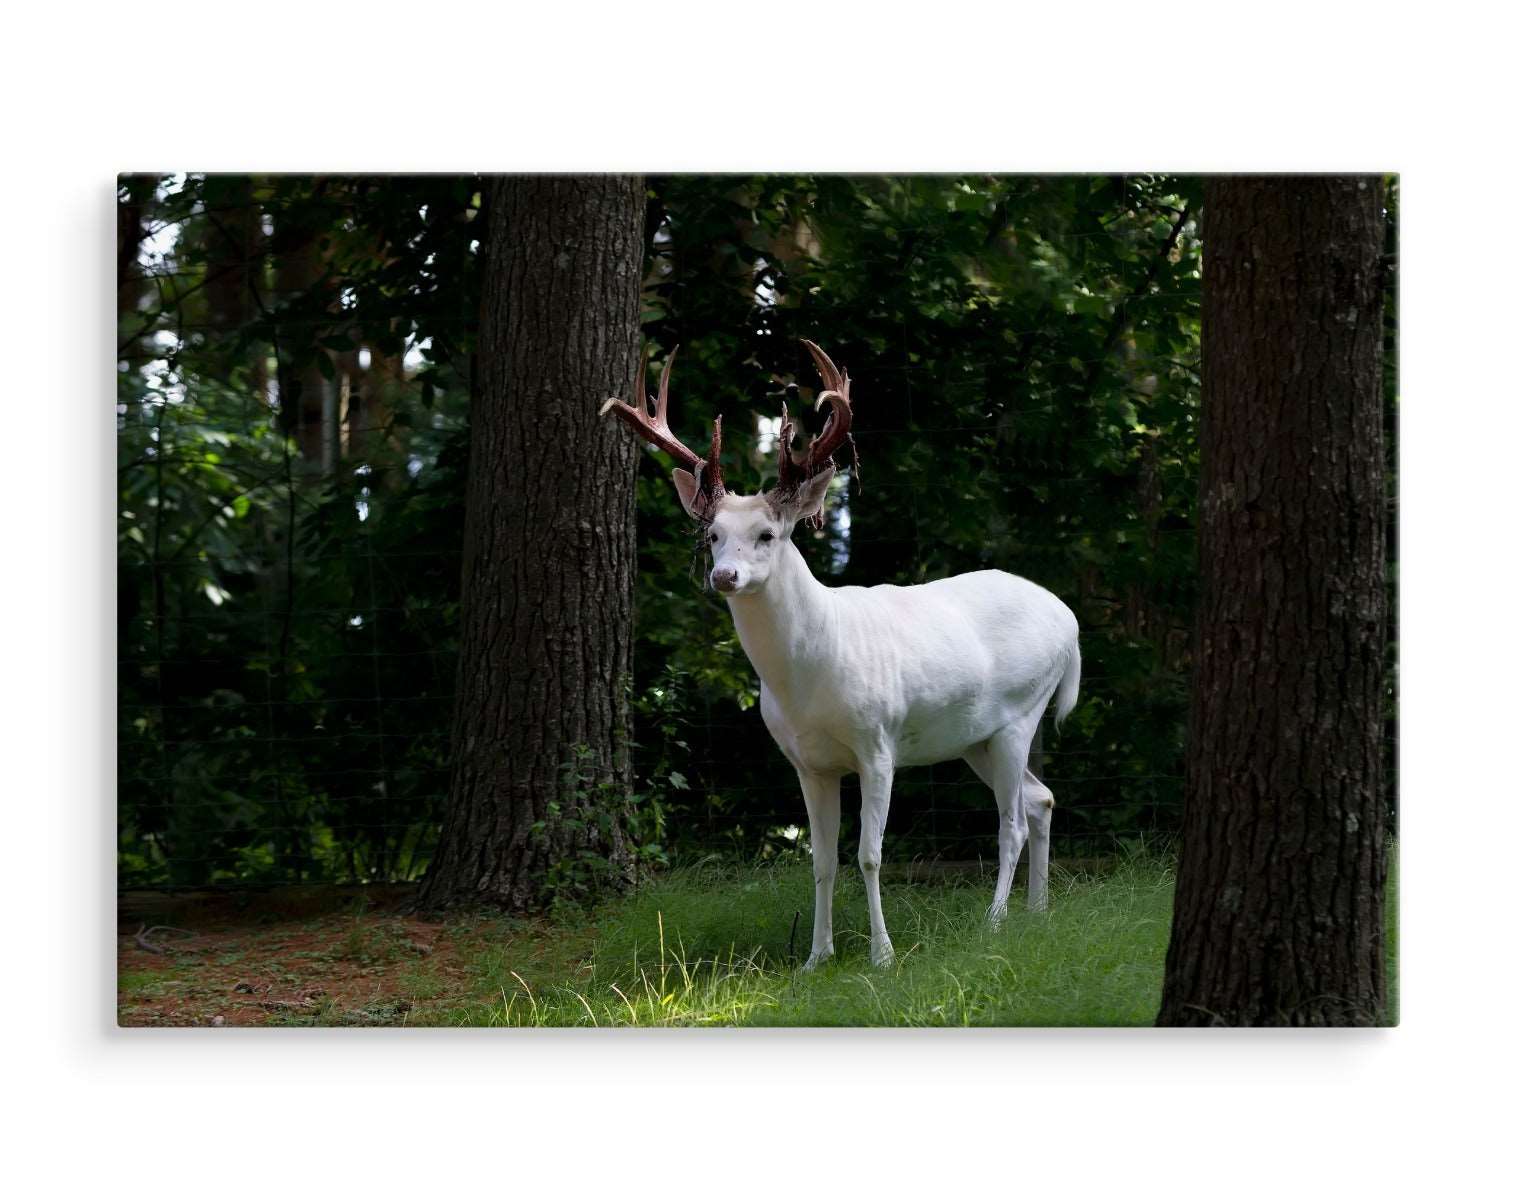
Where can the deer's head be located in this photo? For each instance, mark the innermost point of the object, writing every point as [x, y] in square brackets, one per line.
[746, 533]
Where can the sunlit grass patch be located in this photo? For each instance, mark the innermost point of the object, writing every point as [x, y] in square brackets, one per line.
[712, 946]
[149, 983]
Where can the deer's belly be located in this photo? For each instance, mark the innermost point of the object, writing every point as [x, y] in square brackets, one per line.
[920, 739]
[940, 739]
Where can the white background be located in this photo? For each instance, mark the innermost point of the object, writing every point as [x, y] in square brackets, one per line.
[945, 86]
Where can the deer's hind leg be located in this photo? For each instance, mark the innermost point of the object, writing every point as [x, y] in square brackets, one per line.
[1001, 761]
[1038, 801]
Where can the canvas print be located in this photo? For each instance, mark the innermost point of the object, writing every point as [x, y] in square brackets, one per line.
[756, 600]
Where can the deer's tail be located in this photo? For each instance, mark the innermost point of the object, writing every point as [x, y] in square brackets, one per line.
[1068, 691]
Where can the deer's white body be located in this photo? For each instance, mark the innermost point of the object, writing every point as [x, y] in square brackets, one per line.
[865, 680]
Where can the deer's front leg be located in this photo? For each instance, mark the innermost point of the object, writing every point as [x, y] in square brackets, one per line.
[824, 809]
[874, 784]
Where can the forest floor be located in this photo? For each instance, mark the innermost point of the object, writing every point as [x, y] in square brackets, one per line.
[699, 946]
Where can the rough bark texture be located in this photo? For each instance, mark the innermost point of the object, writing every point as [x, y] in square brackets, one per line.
[1279, 906]
[550, 556]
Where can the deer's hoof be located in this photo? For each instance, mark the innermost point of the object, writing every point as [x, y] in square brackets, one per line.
[883, 955]
[818, 957]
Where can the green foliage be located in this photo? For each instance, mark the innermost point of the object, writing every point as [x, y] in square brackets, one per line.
[1025, 354]
[286, 630]
[595, 818]
[1024, 351]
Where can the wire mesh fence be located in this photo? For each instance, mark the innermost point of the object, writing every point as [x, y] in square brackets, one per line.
[292, 408]
[327, 756]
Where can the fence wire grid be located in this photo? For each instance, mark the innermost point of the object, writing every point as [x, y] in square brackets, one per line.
[290, 554]
[253, 782]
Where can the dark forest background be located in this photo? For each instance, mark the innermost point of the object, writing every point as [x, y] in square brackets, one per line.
[296, 361]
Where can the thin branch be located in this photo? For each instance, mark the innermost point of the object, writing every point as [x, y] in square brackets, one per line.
[144, 933]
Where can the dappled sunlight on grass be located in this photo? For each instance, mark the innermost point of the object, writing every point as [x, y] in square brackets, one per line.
[713, 946]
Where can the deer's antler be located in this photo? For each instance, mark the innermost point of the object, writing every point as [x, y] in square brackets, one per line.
[796, 467]
[652, 425]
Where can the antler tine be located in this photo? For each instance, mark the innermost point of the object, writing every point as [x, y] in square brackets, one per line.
[832, 378]
[711, 484]
[663, 388]
[792, 466]
[640, 388]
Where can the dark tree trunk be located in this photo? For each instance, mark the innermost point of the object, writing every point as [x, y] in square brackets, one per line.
[542, 725]
[233, 264]
[134, 195]
[1279, 906]
[231, 237]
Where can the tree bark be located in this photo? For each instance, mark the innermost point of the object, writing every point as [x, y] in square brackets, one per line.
[542, 725]
[1279, 907]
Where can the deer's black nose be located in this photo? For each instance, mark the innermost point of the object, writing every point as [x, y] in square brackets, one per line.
[724, 579]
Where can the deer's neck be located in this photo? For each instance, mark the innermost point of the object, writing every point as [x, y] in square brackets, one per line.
[786, 627]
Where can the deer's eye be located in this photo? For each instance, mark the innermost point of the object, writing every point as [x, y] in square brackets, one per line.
[711, 538]
[766, 536]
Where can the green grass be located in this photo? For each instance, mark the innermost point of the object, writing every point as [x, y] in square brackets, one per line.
[709, 946]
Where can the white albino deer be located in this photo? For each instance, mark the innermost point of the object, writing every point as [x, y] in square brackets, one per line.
[870, 679]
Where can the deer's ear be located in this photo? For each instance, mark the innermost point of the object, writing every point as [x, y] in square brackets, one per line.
[685, 485]
[807, 502]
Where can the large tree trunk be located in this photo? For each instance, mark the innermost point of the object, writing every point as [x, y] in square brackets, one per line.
[542, 725]
[1279, 907]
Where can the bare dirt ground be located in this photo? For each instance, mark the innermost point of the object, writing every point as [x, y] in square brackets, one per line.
[287, 958]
